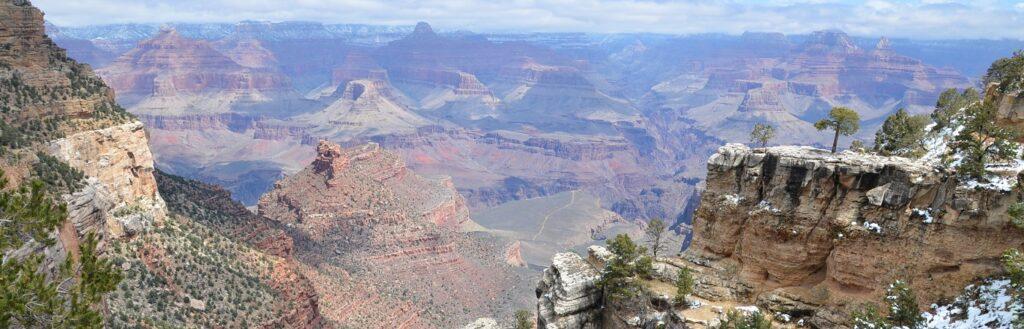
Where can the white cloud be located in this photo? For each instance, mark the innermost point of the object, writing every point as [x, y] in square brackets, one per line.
[906, 18]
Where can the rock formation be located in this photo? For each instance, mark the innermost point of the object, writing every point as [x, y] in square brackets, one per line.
[802, 230]
[567, 294]
[367, 226]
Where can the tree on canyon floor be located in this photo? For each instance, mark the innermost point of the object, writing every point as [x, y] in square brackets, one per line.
[762, 134]
[842, 120]
[902, 135]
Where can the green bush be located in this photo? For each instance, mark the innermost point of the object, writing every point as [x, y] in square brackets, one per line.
[902, 135]
[620, 276]
[738, 320]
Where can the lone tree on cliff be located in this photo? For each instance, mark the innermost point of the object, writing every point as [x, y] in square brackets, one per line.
[655, 233]
[842, 120]
[901, 135]
[762, 134]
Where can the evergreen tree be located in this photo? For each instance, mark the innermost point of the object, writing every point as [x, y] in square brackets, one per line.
[621, 272]
[1013, 263]
[843, 121]
[762, 134]
[684, 284]
[28, 297]
[901, 135]
[951, 102]
[1007, 73]
[903, 308]
[981, 140]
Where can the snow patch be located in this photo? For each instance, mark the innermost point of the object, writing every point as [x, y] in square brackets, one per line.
[994, 307]
[925, 214]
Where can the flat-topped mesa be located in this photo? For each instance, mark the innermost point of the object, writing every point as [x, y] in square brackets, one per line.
[824, 232]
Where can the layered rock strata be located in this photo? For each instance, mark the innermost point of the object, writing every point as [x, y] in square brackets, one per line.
[365, 225]
[802, 230]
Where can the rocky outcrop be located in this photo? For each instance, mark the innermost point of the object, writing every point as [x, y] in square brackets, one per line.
[801, 230]
[122, 197]
[567, 294]
[368, 226]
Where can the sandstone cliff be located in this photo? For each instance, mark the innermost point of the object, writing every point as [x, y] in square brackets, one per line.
[803, 231]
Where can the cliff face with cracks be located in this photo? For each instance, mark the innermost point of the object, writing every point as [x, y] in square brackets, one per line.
[804, 231]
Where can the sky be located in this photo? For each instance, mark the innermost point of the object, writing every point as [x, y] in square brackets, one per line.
[922, 19]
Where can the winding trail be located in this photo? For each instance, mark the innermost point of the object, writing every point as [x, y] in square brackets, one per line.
[572, 200]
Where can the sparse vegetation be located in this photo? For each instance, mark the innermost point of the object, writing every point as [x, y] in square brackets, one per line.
[843, 121]
[57, 174]
[1016, 213]
[902, 135]
[762, 134]
[524, 319]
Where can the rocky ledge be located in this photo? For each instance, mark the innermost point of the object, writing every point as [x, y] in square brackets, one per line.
[804, 231]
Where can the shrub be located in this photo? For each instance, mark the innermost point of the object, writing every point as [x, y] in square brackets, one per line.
[1007, 73]
[524, 319]
[737, 320]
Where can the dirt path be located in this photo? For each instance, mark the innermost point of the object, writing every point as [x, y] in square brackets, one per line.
[572, 199]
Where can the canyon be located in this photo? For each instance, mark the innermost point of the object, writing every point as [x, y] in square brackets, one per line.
[629, 119]
[302, 175]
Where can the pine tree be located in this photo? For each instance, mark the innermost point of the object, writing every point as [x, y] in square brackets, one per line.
[982, 141]
[950, 103]
[843, 121]
[620, 276]
[684, 284]
[901, 135]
